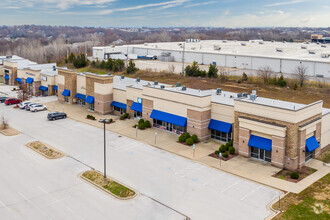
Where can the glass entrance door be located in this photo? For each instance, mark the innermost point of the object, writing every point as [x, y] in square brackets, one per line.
[261, 154]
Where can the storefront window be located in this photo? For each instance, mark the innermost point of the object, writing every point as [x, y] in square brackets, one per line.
[261, 154]
[137, 114]
[81, 102]
[91, 106]
[308, 155]
[66, 99]
[121, 110]
[221, 136]
[169, 127]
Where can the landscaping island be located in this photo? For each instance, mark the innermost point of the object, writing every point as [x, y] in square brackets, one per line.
[112, 187]
[45, 150]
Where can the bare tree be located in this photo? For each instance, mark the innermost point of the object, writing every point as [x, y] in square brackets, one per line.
[265, 73]
[23, 93]
[223, 74]
[301, 72]
[171, 68]
[4, 121]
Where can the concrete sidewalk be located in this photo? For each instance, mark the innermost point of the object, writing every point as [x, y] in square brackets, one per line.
[248, 168]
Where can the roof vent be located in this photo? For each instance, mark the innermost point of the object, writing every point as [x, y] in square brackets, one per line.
[243, 44]
[162, 86]
[303, 47]
[323, 45]
[218, 91]
[244, 94]
[156, 83]
[184, 88]
[279, 50]
[239, 95]
[138, 80]
[261, 42]
[122, 77]
[177, 84]
[253, 97]
[311, 52]
[254, 92]
[54, 68]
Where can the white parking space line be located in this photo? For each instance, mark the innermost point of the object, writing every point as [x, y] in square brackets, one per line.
[224, 190]
[38, 209]
[211, 180]
[5, 206]
[259, 187]
[199, 168]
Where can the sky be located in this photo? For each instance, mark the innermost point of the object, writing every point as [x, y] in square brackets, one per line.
[167, 13]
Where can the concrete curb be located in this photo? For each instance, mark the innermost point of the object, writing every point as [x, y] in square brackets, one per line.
[50, 147]
[274, 212]
[80, 175]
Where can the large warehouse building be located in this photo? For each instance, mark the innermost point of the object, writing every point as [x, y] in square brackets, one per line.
[282, 133]
[282, 57]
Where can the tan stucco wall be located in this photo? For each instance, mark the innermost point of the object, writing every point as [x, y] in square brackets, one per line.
[222, 112]
[119, 96]
[8, 63]
[81, 84]
[49, 82]
[35, 74]
[325, 137]
[278, 113]
[103, 89]
[133, 93]
[262, 128]
[60, 79]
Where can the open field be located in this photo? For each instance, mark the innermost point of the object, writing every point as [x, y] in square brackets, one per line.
[312, 203]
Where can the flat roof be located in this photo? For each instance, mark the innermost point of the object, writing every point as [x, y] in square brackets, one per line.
[255, 48]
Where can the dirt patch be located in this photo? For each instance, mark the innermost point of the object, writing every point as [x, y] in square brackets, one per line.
[9, 131]
[45, 150]
[110, 186]
[303, 173]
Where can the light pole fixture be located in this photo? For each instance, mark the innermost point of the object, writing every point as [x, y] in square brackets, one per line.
[104, 121]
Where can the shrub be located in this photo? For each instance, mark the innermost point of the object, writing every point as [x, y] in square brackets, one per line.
[294, 175]
[189, 141]
[195, 138]
[231, 142]
[216, 152]
[295, 86]
[281, 81]
[182, 138]
[141, 126]
[141, 121]
[187, 135]
[126, 115]
[227, 146]
[225, 155]
[222, 148]
[147, 124]
[122, 117]
[231, 150]
[111, 120]
[244, 77]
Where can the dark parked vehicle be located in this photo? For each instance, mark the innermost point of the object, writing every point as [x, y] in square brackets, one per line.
[56, 115]
[11, 101]
[3, 99]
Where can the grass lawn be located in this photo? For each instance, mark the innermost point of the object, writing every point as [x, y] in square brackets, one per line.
[312, 203]
[112, 186]
[325, 156]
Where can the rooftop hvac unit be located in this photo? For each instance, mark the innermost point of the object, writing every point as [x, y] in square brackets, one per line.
[254, 92]
[224, 41]
[122, 77]
[162, 87]
[253, 97]
[218, 91]
[303, 47]
[193, 48]
[279, 50]
[177, 84]
[311, 52]
[325, 55]
[54, 68]
[273, 41]
[156, 83]
[138, 80]
[239, 95]
[243, 44]
[216, 47]
[184, 88]
[260, 42]
[9, 56]
[244, 94]
[323, 45]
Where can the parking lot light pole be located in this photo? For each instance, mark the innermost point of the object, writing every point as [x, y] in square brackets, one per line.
[104, 121]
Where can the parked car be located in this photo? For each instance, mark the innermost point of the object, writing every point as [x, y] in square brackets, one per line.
[39, 107]
[56, 115]
[28, 106]
[3, 99]
[11, 101]
[22, 105]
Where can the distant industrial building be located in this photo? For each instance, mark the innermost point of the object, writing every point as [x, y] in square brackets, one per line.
[282, 57]
[316, 38]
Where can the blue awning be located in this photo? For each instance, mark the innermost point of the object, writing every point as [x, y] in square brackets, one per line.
[55, 88]
[118, 104]
[43, 88]
[18, 80]
[6, 76]
[170, 118]
[90, 99]
[311, 144]
[137, 107]
[66, 92]
[260, 142]
[220, 126]
[29, 80]
[80, 96]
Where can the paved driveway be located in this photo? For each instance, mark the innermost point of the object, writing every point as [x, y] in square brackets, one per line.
[177, 183]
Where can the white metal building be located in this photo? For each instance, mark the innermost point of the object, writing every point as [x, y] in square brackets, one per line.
[280, 57]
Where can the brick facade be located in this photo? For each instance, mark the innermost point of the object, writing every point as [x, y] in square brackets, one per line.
[147, 107]
[197, 123]
[129, 110]
[102, 103]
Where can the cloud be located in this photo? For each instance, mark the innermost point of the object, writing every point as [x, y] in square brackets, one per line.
[137, 7]
[200, 4]
[227, 12]
[285, 3]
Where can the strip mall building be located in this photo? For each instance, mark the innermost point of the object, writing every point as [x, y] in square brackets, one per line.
[282, 133]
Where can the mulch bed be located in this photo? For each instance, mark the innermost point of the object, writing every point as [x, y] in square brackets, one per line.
[45, 150]
[230, 156]
[184, 143]
[303, 173]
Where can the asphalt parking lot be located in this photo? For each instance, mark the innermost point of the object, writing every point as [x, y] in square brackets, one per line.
[169, 186]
